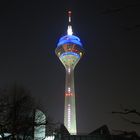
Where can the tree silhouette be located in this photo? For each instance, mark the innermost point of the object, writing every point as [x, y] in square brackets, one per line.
[17, 113]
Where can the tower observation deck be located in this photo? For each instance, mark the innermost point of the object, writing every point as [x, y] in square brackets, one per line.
[69, 50]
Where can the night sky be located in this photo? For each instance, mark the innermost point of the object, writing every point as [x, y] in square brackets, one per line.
[106, 78]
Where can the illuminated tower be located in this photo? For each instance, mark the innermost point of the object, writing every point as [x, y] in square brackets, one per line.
[69, 50]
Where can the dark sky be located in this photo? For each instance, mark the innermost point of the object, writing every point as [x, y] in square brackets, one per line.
[106, 77]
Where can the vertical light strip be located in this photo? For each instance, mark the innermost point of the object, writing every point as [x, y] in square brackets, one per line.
[69, 116]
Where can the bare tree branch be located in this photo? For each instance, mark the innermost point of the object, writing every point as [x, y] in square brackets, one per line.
[127, 111]
[120, 9]
[130, 121]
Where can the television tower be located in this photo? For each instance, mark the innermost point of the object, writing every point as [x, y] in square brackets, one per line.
[69, 50]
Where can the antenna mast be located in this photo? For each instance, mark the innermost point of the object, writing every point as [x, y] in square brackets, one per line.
[69, 30]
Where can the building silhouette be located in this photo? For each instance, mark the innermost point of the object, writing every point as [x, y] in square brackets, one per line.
[101, 133]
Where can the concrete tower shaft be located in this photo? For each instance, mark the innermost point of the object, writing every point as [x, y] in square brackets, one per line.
[69, 108]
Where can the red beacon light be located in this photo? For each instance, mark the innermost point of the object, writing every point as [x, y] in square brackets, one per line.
[69, 14]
